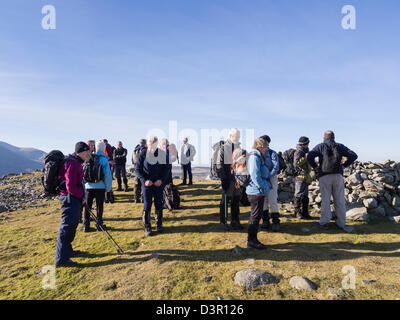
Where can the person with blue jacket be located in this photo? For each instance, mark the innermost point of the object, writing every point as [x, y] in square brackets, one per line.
[97, 190]
[271, 201]
[257, 190]
[152, 168]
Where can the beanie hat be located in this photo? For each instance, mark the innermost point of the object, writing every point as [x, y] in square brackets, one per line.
[81, 147]
[303, 141]
[266, 138]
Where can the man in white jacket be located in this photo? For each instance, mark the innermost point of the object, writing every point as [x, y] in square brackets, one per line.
[187, 155]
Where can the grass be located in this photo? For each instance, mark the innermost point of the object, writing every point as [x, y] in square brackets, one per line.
[192, 249]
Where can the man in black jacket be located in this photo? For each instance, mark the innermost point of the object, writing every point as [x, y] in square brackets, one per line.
[331, 182]
[152, 168]
[230, 192]
[119, 156]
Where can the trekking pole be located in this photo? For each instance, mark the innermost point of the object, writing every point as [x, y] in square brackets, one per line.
[115, 245]
[226, 209]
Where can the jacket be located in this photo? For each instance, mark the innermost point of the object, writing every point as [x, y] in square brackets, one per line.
[319, 150]
[300, 163]
[106, 182]
[225, 161]
[109, 152]
[136, 152]
[152, 167]
[72, 174]
[119, 155]
[259, 173]
[272, 162]
[188, 152]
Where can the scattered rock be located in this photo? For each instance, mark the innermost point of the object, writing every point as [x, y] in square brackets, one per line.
[208, 279]
[110, 286]
[357, 213]
[368, 282]
[250, 261]
[252, 278]
[302, 283]
[336, 292]
[370, 203]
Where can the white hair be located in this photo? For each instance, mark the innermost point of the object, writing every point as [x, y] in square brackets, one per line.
[151, 140]
[163, 142]
[100, 146]
[234, 132]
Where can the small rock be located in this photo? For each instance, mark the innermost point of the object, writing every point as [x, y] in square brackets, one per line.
[110, 286]
[219, 298]
[390, 286]
[208, 279]
[368, 282]
[305, 230]
[336, 292]
[236, 249]
[252, 278]
[396, 219]
[250, 261]
[154, 255]
[301, 283]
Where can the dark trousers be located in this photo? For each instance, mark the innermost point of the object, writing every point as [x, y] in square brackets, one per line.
[120, 170]
[230, 196]
[137, 190]
[70, 215]
[99, 195]
[148, 194]
[257, 204]
[187, 169]
[301, 200]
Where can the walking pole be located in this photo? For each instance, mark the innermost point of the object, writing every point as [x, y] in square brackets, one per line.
[115, 245]
[226, 209]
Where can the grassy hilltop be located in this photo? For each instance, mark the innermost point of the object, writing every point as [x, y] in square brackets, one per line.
[194, 259]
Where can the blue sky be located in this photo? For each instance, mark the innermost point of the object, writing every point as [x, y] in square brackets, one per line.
[115, 69]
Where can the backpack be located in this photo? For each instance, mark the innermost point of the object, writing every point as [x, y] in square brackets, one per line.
[214, 159]
[331, 160]
[239, 166]
[288, 158]
[92, 169]
[136, 152]
[53, 163]
[171, 197]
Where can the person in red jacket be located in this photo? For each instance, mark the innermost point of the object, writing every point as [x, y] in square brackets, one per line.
[71, 199]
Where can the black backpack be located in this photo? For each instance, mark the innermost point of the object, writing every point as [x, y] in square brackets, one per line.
[92, 169]
[53, 162]
[288, 158]
[171, 197]
[214, 159]
[331, 160]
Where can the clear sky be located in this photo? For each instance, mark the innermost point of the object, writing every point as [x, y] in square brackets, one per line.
[115, 69]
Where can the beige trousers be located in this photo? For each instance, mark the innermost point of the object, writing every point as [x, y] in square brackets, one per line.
[271, 201]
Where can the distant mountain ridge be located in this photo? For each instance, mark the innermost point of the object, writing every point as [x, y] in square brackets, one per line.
[16, 160]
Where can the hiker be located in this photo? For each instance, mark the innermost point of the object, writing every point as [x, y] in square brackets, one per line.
[92, 146]
[111, 162]
[152, 169]
[97, 190]
[71, 200]
[257, 190]
[137, 185]
[331, 182]
[230, 191]
[119, 156]
[271, 200]
[171, 152]
[302, 179]
[187, 155]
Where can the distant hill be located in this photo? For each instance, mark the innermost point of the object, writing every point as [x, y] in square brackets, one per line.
[16, 160]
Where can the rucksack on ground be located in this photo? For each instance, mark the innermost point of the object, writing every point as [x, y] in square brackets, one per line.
[214, 159]
[92, 169]
[288, 158]
[53, 163]
[171, 197]
[331, 160]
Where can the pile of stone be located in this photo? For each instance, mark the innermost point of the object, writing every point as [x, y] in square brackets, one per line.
[19, 191]
[372, 188]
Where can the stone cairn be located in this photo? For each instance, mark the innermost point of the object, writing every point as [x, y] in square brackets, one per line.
[371, 189]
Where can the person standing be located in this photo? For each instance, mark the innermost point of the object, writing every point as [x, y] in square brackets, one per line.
[152, 168]
[92, 146]
[331, 182]
[231, 193]
[302, 179]
[188, 152]
[119, 156]
[257, 190]
[71, 200]
[97, 190]
[271, 200]
[137, 185]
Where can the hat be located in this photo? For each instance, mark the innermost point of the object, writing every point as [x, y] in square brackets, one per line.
[303, 141]
[81, 147]
[266, 138]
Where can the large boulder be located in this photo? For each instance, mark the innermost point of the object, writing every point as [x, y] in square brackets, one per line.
[357, 214]
[354, 180]
[252, 278]
[378, 211]
[370, 203]
[373, 186]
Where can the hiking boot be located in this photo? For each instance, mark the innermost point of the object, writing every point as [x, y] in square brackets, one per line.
[86, 229]
[224, 226]
[265, 225]
[255, 244]
[119, 188]
[67, 264]
[159, 229]
[276, 227]
[126, 189]
[102, 226]
[235, 225]
[76, 253]
[322, 226]
[275, 221]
